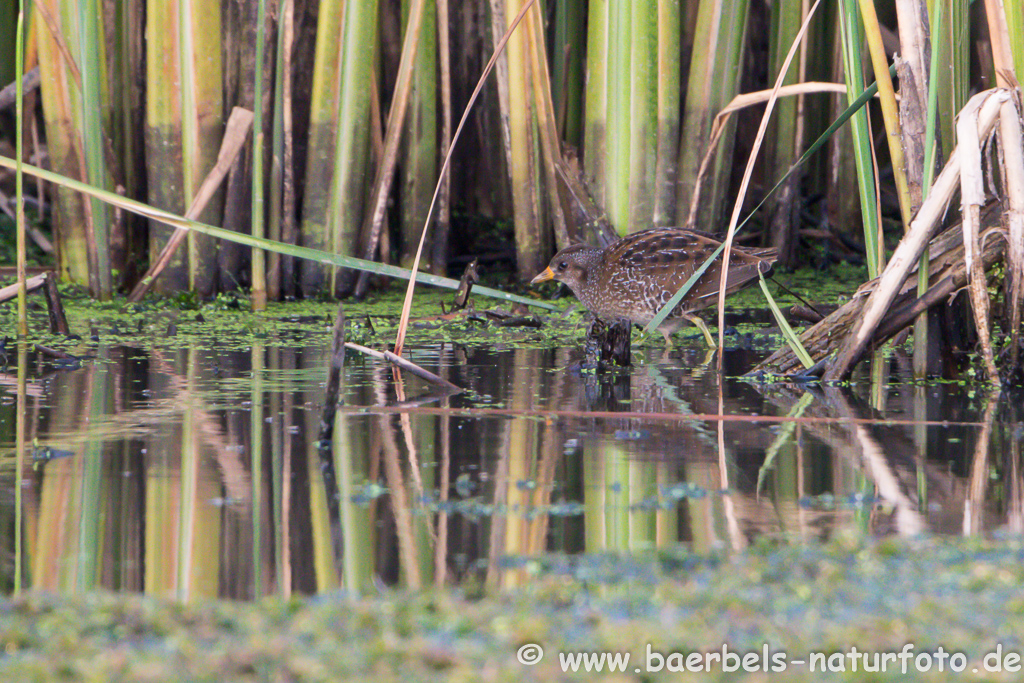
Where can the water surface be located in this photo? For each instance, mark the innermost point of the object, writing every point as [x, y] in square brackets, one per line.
[197, 472]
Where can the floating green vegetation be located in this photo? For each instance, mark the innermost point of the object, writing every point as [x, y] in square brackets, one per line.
[667, 498]
[226, 322]
[835, 603]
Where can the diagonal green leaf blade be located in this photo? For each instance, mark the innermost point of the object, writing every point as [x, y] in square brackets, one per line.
[791, 337]
[263, 243]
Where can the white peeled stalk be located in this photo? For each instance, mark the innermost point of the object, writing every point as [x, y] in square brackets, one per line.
[972, 196]
[1013, 184]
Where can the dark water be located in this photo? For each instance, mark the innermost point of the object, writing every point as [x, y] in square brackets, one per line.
[194, 473]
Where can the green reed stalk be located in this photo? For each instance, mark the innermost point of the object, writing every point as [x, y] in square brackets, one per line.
[322, 138]
[595, 110]
[184, 105]
[712, 82]
[641, 93]
[632, 110]
[258, 299]
[163, 126]
[852, 32]
[19, 179]
[783, 143]
[202, 125]
[890, 110]
[282, 181]
[352, 173]
[567, 76]
[953, 67]
[275, 215]
[419, 142]
[524, 160]
[930, 157]
[59, 78]
[668, 75]
[1014, 11]
[619, 110]
[91, 60]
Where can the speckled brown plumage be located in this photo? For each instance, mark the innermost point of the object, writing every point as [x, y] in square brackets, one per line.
[635, 276]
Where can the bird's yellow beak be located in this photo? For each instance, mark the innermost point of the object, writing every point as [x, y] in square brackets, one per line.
[546, 275]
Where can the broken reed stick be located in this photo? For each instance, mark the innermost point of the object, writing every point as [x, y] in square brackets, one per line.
[235, 134]
[8, 94]
[911, 246]
[972, 196]
[405, 365]
[333, 382]
[48, 283]
[53, 353]
[32, 284]
[947, 272]
[54, 307]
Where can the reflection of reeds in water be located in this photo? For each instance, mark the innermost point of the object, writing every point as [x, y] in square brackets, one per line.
[182, 529]
[166, 510]
[20, 442]
[256, 465]
[281, 469]
[517, 483]
[355, 464]
[916, 489]
[444, 456]
[974, 506]
[408, 553]
[68, 546]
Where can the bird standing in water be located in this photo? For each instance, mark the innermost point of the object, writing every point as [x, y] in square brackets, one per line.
[632, 278]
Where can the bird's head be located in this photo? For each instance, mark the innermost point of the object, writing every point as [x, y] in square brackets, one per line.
[569, 266]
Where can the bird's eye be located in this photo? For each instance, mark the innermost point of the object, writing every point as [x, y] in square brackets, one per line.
[562, 265]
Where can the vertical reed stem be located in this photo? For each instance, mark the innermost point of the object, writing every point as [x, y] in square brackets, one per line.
[19, 181]
[258, 299]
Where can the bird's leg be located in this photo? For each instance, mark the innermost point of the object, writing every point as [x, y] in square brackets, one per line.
[668, 337]
[703, 328]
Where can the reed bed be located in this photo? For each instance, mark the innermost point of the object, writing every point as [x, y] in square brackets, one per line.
[353, 104]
